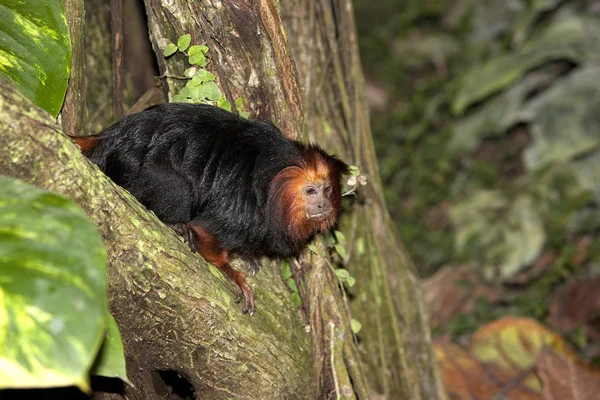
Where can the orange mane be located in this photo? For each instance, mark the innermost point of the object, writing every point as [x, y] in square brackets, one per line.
[289, 184]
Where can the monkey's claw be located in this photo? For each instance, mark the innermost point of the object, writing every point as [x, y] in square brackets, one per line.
[252, 265]
[248, 300]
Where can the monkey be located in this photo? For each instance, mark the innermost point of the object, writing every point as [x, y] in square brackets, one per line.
[232, 187]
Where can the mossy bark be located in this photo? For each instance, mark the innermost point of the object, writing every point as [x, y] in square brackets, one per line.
[395, 341]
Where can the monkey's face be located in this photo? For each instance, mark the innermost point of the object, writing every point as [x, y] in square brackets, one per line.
[317, 199]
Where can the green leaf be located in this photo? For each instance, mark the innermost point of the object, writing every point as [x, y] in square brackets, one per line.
[286, 270]
[360, 246]
[313, 248]
[239, 105]
[52, 289]
[170, 50]
[329, 239]
[178, 98]
[210, 91]
[35, 50]
[296, 299]
[355, 325]
[292, 285]
[353, 170]
[501, 232]
[204, 76]
[340, 237]
[351, 281]
[196, 55]
[111, 358]
[341, 250]
[571, 37]
[342, 273]
[184, 41]
[224, 103]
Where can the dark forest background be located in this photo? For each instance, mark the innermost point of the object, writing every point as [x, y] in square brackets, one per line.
[486, 120]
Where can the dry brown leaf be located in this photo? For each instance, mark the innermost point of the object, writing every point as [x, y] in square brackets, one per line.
[452, 291]
[577, 304]
[564, 379]
[467, 378]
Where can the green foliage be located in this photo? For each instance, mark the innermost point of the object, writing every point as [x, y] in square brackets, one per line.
[53, 301]
[201, 86]
[35, 50]
[355, 325]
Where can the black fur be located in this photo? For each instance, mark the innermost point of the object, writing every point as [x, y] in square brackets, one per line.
[201, 163]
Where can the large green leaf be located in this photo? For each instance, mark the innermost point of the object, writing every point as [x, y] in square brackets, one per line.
[566, 121]
[35, 50]
[52, 289]
[572, 38]
[500, 233]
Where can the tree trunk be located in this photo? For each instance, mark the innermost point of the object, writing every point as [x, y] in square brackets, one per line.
[175, 312]
[395, 339]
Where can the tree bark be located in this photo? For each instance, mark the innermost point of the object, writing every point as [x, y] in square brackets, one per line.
[395, 339]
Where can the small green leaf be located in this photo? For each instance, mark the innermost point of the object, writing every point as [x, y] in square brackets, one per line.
[210, 91]
[292, 285]
[178, 98]
[360, 246]
[356, 325]
[329, 239]
[342, 273]
[313, 248]
[286, 270]
[196, 55]
[340, 237]
[341, 250]
[354, 170]
[185, 92]
[204, 76]
[224, 103]
[239, 103]
[351, 280]
[244, 114]
[197, 49]
[170, 50]
[296, 299]
[184, 41]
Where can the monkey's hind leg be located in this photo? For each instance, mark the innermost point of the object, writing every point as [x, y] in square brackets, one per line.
[207, 245]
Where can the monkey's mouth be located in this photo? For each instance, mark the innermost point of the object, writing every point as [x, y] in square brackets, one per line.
[318, 215]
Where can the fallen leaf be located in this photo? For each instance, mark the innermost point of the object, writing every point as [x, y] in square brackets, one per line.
[565, 379]
[513, 344]
[577, 304]
[467, 378]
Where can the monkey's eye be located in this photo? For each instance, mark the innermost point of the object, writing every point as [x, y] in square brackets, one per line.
[327, 188]
[310, 190]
